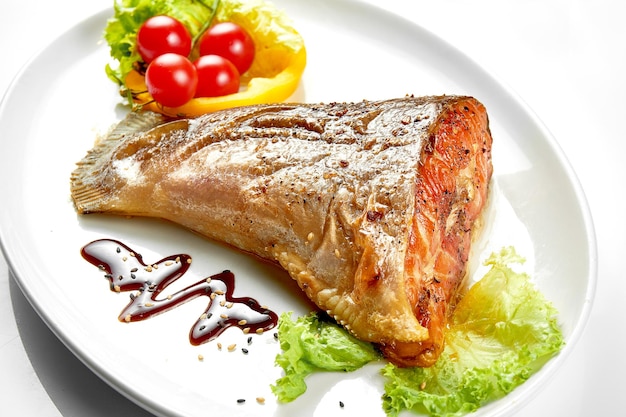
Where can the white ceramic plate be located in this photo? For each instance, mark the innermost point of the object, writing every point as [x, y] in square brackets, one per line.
[62, 100]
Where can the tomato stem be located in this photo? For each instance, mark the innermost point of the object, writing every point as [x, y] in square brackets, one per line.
[206, 24]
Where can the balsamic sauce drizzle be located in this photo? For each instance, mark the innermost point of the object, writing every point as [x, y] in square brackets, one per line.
[126, 272]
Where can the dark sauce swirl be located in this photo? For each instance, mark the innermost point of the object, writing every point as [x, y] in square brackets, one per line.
[126, 272]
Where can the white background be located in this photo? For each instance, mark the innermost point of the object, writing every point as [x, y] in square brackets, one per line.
[565, 58]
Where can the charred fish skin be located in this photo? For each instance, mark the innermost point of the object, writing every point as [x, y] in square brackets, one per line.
[369, 206]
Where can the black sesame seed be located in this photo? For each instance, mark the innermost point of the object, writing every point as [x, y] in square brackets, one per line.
[244, 350]
[118, 250]
[276, 335]
[341, 404]
[249, 339]
[134, 270]
[241, 400]
[202, 328]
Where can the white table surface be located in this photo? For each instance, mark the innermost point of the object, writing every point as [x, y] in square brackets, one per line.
[565, 58]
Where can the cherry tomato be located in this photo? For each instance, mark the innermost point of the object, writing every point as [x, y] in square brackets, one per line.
[231, 41]
[171, 79]
[217, 76]
[162, 34]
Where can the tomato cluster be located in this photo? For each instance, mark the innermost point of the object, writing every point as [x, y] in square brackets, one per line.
[226, 51]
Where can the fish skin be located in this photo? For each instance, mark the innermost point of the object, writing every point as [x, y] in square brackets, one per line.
[369, 206]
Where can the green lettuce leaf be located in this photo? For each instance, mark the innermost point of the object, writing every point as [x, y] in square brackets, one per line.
[501, 332]
[311, 344]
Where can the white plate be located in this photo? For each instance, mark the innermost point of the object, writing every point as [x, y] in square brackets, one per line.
[62, 99]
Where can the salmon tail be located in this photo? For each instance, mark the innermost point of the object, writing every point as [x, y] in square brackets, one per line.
[90, 192]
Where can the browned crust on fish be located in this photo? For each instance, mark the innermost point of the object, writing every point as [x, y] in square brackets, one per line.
[369, 206]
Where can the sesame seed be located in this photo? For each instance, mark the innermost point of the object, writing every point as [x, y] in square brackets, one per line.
[423, 385]
[155, 266]
[219, 292]
[242, 322]
[219, 346]
[260, 400]
[168, 263]
[246, 330]
[208, 280]
[260, 331]
[200, 358]
[127, 318]
[188, 260]
[148, 268]
[213, 295]
[222, 303]
[169, 297]
[124, 258]
[232, 347]
[177, 260]
[203, 316]
[117, 288]
[149, 304]
[229, 305]
[224, 316]
[132, 254]
[134, 269]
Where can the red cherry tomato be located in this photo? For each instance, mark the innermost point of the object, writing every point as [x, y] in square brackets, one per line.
[171, 79]
[231, 41]
[162, 34]
[217, 76]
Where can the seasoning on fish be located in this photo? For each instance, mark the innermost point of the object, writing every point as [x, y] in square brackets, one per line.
[369, 206]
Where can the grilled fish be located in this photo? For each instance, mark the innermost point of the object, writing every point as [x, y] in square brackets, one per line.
[369, 206]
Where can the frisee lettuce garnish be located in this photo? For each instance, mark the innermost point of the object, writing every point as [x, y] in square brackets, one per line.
[501, 332]
[311, 344]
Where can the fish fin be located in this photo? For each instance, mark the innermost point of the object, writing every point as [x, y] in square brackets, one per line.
[86, 186]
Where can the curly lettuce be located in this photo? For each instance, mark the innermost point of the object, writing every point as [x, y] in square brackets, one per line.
[311, 344]
[501, 332]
